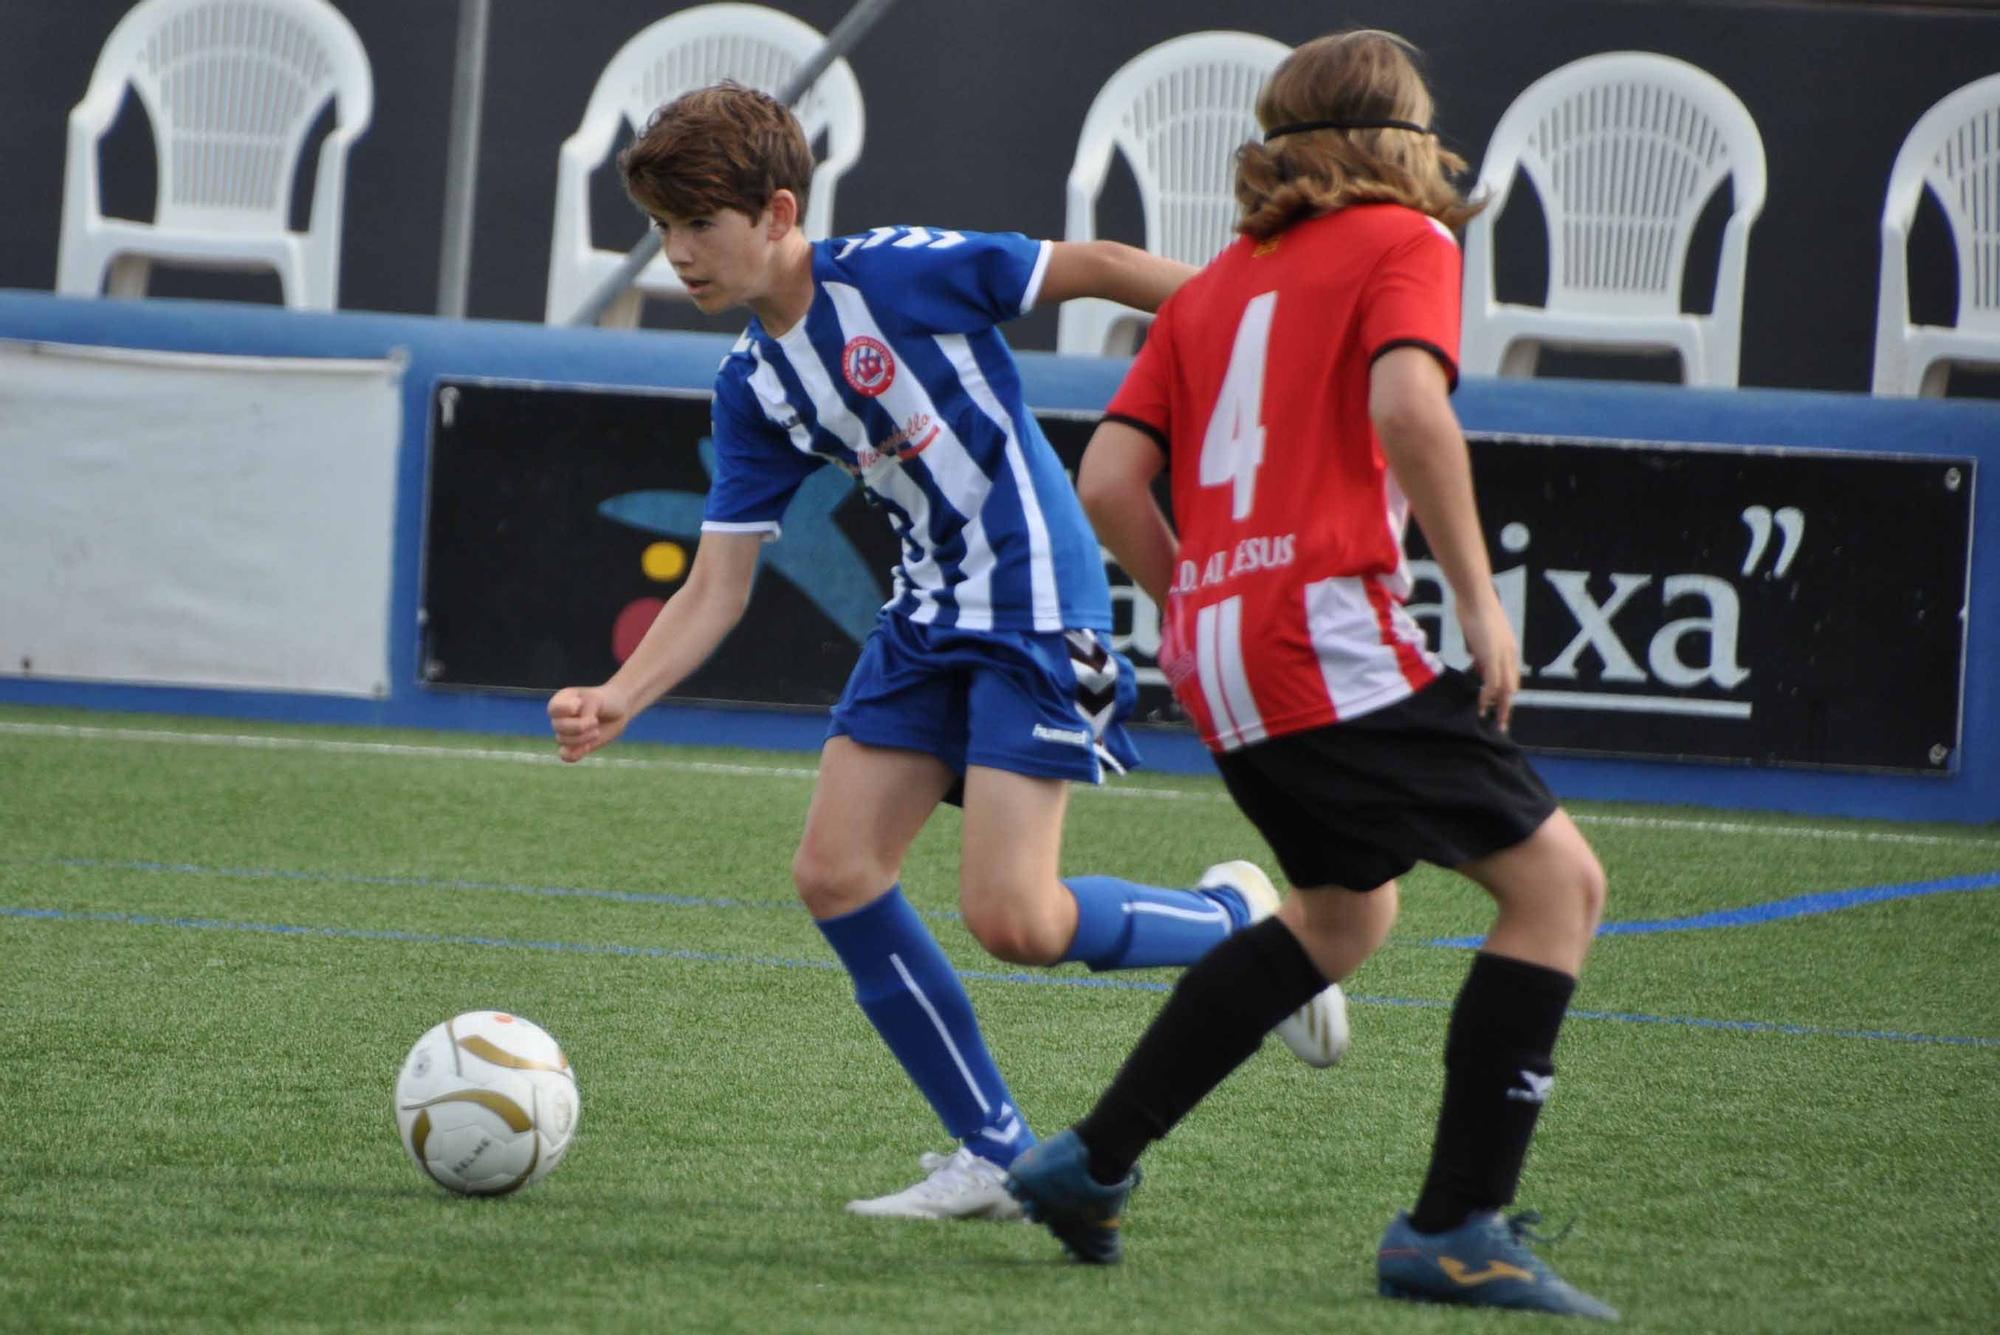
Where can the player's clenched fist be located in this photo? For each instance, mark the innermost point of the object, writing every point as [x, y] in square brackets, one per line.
[585, 718]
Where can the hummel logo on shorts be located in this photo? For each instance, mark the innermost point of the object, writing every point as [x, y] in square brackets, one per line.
[1067, 736]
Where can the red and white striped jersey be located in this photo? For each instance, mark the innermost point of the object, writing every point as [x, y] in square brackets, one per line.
[1286, 610]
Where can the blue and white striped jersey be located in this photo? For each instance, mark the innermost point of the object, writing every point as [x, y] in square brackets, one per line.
[898, 375]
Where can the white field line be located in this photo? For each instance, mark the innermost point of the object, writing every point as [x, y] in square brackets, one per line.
[332, 746]
[1799, 831]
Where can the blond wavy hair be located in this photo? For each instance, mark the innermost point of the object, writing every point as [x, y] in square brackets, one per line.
[1362, 75]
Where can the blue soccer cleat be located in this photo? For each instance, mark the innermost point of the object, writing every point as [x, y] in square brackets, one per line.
[1053, 1183]
[1484, 1262]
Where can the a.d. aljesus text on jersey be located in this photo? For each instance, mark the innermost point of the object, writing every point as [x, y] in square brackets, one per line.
[1286, 608]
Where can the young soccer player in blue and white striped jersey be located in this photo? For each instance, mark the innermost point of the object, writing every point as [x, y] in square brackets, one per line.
[988, 678]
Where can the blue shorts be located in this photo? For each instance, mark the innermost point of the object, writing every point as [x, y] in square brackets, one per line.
[1050, 705]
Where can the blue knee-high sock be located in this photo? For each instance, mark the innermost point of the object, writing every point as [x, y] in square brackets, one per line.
[1123, 925]
[909, 991]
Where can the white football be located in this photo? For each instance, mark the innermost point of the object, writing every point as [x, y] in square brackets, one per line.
[486, 1103]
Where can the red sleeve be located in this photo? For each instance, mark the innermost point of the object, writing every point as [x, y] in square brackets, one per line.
[1411, 299]
[1145, 399]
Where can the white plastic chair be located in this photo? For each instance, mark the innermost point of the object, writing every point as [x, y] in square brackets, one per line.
[1624, 150]
[1954, 149]
[1175, 111]
[753, 45]
[232, 87]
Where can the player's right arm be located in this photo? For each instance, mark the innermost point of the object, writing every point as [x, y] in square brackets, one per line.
[1115, 484]
[694, 621]
[1126, 455]
[756, 473]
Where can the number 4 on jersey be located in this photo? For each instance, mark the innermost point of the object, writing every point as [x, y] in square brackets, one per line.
[1233, 446]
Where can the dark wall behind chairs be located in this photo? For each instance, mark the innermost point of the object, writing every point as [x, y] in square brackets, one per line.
[973, 112]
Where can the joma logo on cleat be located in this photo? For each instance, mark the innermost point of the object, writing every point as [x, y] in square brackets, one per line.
[1460, 1275]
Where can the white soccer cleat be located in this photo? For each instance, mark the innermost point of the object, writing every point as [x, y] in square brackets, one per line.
[1316, 1032]
[960, 1185]
[1246, 879]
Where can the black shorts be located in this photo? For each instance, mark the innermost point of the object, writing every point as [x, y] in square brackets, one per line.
[1358, 803]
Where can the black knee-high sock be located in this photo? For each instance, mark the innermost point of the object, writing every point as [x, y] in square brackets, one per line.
[1498, 1073]
[1219, 1012]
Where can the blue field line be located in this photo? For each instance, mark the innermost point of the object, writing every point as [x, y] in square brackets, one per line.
[1777, 910]
[1750, 915]
[971, 975]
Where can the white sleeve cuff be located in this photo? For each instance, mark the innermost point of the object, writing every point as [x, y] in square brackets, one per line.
[1034, 288]
[768, 527]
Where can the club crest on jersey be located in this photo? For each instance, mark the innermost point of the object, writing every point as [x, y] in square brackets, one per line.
[867, 365]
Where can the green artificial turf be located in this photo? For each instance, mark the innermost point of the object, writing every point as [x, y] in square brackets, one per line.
[196, 1095]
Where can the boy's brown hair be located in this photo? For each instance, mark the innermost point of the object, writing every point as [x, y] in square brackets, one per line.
[721, 147]
[1362, 75]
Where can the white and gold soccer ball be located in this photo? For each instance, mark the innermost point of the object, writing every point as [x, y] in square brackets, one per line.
[486, 1103]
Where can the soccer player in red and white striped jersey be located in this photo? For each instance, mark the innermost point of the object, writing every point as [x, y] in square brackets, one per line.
[1255, 377]
[1298, 391]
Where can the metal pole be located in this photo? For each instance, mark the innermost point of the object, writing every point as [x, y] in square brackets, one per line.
[468, 88]
[845, 35]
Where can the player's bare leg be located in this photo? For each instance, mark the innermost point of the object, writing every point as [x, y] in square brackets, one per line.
[1020, 909]
[1550, 891]
[1499, 1071]
[1010, 887]
[867, 808]
[1341, 928]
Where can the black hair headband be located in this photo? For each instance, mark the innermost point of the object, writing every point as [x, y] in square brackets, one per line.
[1304, 126]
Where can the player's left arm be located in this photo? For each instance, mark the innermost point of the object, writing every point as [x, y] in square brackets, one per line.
[1113, 270]
[1410, 405]
[1115, 484]
[1407, 320]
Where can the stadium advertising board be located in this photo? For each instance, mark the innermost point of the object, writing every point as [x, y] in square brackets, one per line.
[1755, 605]
[1763, 605]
